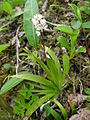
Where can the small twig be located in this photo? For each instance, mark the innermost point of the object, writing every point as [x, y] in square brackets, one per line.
[81, 86]
[17, 50]
[82, 96]
[44, 6]
[54, 24]
[49, 30]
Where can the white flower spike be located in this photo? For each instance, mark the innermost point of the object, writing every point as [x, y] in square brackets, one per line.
[40, 23]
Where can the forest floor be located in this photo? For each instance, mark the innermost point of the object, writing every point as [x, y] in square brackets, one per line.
[79, 76]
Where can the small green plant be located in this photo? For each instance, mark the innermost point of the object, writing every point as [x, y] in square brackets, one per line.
[24, 100]
[3, 47]
[71, 47]
[7, 7]
[50, 87]
[87, 90]
[76, 24]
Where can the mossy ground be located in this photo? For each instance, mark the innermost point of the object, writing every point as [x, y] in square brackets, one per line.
[58, 13]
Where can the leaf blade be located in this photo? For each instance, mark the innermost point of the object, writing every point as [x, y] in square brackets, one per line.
[3, 47]
[65, 28]
[62, 109]
[66, 64]
[10, 84]
[64, 42]
[31, 8]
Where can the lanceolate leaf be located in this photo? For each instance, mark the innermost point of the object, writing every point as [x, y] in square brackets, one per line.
[62, 109]
[31, 8]
[57, 65]
[53, 70]
[34, 107]
[76, 11]
[66, 64]
[74, 38]
[54, 57]
[73, 42]
[34, 78]
[44, 67]
[10, 84]
[55, 114]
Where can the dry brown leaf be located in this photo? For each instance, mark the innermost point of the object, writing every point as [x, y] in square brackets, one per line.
[83, 115]
[76, 99]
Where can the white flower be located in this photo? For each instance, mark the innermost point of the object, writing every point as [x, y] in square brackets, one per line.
[38, 33]
[40, 23]
[64, 49]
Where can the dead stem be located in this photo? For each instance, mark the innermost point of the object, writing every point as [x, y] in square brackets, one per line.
[17, 49]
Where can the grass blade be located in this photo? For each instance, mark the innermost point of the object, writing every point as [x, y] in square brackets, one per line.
[61, 108]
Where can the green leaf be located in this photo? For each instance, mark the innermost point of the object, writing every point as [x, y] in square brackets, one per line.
[7, 7]
[3, 28]
[31, 9]
[86, 9]
[87, 90]
[16, 2]
[53, 70]
[86, 24]
[34, 107]
[35, 78]
[65, 28]
[47, 110]
[76, 11]
[73, 42]
[58, 66]
[81, 50]
[72, 107]
[54, 57]
[88, 99]
[44, 67]
[6, 66]
[16, 14]
[10, 84]
[55, 114]
[66, 64]
[88, 0]
[48, 90]
[61, 108]
[38, 1]
[3, 47]
[76, 24]
[64, 42]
